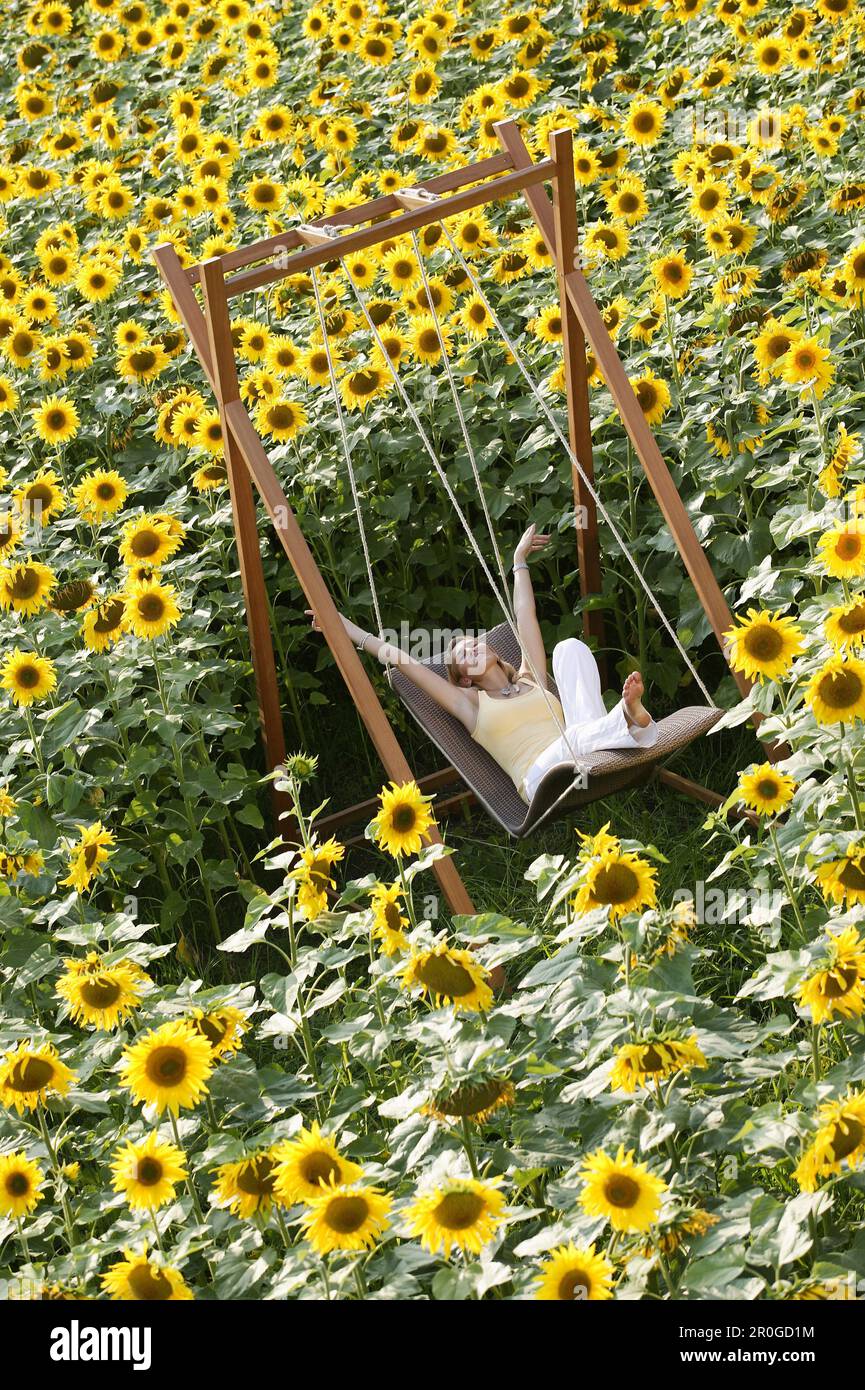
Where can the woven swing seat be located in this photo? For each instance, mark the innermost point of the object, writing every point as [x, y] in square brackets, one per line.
[609, 771]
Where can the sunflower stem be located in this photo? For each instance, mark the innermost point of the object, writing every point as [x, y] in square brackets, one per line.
[37, 751]
[157, 1232]
[668, 320]
[46, 1139]
[469, 1147]
[794, 902]
[406, 892]
[23, 1239]
[190, 1186]
[359, 1280]
[815, 1051]
[283, 1229]
[850, 775]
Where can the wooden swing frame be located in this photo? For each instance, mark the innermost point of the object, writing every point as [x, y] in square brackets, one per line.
[272, 259]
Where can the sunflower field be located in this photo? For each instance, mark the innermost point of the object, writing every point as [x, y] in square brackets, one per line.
[234, 1067]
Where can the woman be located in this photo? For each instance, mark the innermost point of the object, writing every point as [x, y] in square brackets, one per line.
[525, 728]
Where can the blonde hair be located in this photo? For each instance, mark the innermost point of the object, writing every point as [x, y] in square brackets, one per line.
[455, 676]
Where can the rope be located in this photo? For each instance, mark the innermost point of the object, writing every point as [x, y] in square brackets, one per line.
[580, 767]
[580, 470]
[456, 399]
[348, 460]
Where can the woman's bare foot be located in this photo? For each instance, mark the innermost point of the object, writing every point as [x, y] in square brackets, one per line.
[632, 698]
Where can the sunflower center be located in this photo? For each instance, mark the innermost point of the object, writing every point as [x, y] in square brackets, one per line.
[31, 1074]
[151, 607]
[853, 621]
[764, 643]
[847, 1136]
[840, 690]
[166, 1066]
[363, 383]
[621, 1191]
[615, 884]
[27, 677]
[17, 1184]
[445, 976]
[212, 1029]
[837, 982]
[319, 1167]
[256, 1178]
[575, 1284]
[110, 615]
[647, 395]
[457, 1211]
[848, 546]
[148, 1171]
[651, 1059]
[852, 876]
[146, 543]
[149, 1284]
[470, 1100]
[392, 917]
[25, 584]
[99, 991]
[644, 122]
[347, 1214]
[768, 788]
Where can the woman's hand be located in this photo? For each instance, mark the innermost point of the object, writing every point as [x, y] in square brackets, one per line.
[313, 620]
[529, 542]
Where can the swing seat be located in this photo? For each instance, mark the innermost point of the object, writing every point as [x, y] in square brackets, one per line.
[609, 771]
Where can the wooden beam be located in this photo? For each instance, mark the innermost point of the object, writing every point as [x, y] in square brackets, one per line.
[227, 389]
[576, 381]
[463, 201]
[373, 211]
[672, 507]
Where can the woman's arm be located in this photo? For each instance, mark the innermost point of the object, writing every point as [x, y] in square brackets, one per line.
[529, 632]
[455, 700]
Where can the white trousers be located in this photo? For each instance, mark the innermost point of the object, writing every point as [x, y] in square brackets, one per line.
[589, 726]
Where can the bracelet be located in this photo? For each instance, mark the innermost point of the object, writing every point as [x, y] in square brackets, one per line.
[521, 566]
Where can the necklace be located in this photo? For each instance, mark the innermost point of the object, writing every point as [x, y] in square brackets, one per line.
[509, 689]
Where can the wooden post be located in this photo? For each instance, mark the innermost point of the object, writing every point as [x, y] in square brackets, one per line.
[565, 251]
[238, 426]
[226, 388]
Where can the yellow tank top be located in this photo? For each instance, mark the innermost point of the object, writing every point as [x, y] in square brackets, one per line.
[516, 731]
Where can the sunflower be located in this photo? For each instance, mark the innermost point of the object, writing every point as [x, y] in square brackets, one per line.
[136, 1278]
[766, 790]
[388, 922]
[105, 624]
[426, 337]
[314, 877]
[26, 587]
[249, 1185]
[474, 318]
[843, 880]
[280, 419]
[146, 540]
[88, 856]
[20, 1185]
[147, 1173]
[142, 362]
[836, 692]
[842, 550]
[639, 1064]
[38, 500]
[653, 396]
[839, 1139]
[102, 995]
[610, 240]
[29, 1072]
[359, 388]
[619, 881]
[447, 975]
[310, 1163]
[461, 1212]
[151, 609]
[403, 819]
[100, 494]
[223, 1028]
[763, 644]
[644, 122]
[473, 1100]
[845, 626]
[570, 1273]
[807, 364]
[625, 1193]
[27, 677]
[346, 1218]
[168, 1067]
[837, 987]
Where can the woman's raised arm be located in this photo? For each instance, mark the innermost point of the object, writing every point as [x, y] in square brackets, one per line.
[455, 700]
[534, 657]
